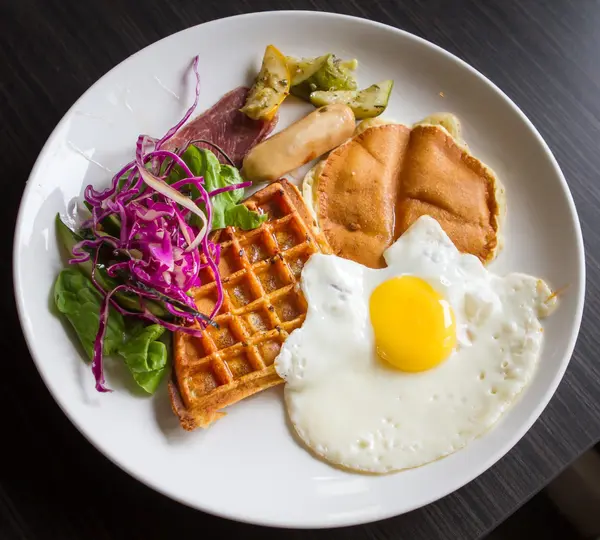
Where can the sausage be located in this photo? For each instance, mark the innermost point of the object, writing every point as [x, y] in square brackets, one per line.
[308, 138]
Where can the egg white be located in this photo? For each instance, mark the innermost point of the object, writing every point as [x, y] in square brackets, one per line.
[355, 411]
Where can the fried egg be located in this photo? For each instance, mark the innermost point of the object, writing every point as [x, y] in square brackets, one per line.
[397, 367]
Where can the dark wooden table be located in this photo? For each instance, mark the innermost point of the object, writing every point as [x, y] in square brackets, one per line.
[543, 54]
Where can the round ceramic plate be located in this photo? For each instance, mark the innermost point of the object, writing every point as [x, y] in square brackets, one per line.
[248, 466]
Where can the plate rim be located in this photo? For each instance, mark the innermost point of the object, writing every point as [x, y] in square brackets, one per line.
[500, 452]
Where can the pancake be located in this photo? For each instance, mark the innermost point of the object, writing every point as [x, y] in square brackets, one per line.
[357, 193]
[369, 190]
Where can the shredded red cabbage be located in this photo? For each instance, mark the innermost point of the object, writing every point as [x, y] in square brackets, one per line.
[159, 234]
[233, 187]
[97, 364]
[189, 112]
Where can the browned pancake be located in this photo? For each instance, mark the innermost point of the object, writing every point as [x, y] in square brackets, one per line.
[442, 180]
[357, 193]
[372, 188]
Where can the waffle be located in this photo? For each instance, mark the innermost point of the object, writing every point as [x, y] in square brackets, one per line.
[260, 271]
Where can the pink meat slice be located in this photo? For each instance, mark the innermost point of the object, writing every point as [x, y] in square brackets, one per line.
[224, 125]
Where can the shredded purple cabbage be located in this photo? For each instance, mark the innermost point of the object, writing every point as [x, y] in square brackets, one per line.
[97, 360]
[157, 237]
[233, 187]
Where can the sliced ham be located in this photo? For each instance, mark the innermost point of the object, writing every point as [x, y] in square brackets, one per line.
[224, 125]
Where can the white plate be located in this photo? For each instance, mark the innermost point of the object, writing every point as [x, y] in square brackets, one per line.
[247, 466]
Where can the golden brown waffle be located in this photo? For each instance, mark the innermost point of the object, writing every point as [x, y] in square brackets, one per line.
[263, 303]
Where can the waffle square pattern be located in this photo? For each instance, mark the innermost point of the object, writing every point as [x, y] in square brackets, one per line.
[263, 303]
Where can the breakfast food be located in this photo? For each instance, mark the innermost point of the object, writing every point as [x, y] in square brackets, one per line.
[321, 80]
[397, 367]
[140, 243]
[260, 271]
[367, 103]
[448, 121]
[271, 87]
[321, 73]
[299, 143]
[369, 297]
[368, 191]
[354, 194]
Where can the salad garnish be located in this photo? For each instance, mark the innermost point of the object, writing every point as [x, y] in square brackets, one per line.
[136, 258]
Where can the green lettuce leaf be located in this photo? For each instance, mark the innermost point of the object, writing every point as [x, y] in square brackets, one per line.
[227, 209]
[144, 355]
[243, 218]
[78, 300]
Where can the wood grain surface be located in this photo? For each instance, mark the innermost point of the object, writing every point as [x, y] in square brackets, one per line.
[543, 54]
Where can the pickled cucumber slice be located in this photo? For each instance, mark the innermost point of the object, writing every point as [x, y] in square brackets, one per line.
[333, 75]
[366, 103]
[325, 73]
[271, 87]
[304, 68]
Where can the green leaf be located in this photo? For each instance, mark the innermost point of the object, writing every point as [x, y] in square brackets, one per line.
[240, 216]
[224, 202]
[145, 357]
[199, 164]
[230, 176]
[226, 207]
[205, 163]
[78, 300]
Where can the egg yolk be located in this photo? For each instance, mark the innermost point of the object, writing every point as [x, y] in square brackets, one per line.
[414, 325]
